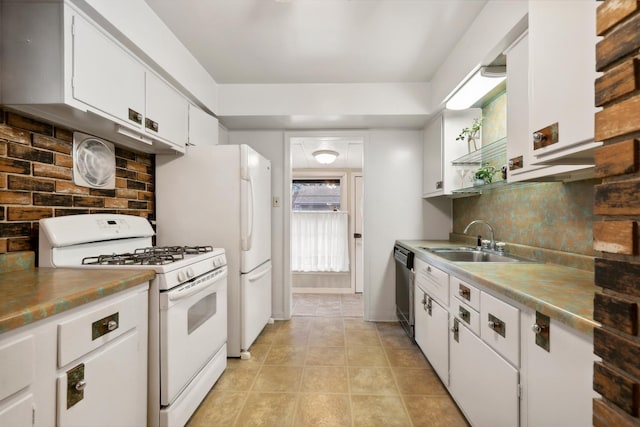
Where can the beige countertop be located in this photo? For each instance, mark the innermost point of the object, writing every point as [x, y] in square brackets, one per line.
[562, 293]
[29, 294]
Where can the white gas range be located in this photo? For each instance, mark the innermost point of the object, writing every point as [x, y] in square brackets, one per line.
[187, 302]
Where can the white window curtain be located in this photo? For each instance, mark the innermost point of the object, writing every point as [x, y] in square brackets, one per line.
[319, 241]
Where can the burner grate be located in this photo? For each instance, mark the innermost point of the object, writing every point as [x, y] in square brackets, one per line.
[155, 255]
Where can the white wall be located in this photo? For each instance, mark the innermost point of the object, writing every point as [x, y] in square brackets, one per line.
[324, 99]
[392, 210]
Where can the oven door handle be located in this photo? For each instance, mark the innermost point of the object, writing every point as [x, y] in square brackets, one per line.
[178, 295]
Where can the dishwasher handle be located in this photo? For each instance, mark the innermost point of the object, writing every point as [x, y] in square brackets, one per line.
[403, 256]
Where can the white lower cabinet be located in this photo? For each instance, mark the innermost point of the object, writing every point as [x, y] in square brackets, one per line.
[431, 332]
[84, 367]
[559, 383]
[483, 347]
[483, 383]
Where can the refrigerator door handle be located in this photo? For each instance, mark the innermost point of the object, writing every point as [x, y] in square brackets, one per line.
[250, 213]
[259, 275]
[247, 216]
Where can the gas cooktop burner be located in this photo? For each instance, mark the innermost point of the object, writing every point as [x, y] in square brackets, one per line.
[156, 255]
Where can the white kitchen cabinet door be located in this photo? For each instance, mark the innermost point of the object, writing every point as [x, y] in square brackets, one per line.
[436, 337]
[105, 76]
[484, 385]
[203, 127]
[519, 146]
[562, 35]
[559, 386]
[166, 112]
[111, 387]
[432, 178]
[420, 318]
[17, 412]
[440, 177]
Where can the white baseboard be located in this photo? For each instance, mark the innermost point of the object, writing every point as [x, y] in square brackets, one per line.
[322, 291]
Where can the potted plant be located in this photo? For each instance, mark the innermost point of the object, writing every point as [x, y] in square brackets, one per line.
[470, 134]
[485, 174]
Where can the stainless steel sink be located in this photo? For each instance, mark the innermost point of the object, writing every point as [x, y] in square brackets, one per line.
[467, 254]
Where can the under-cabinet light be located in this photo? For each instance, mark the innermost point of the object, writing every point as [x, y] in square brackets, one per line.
[478, 85]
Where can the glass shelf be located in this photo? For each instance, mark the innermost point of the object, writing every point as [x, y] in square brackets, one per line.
[495, 150]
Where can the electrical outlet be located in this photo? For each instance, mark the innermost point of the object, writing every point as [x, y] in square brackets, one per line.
[276, 202]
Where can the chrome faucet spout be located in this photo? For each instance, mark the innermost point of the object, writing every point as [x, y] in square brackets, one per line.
[492, 245]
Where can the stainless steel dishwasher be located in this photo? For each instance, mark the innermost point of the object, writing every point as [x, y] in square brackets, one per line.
[404, 288]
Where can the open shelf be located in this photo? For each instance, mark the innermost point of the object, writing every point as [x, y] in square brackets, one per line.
[476, 190]
[497, 150]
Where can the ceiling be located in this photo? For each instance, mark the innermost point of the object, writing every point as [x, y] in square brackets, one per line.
[319, 41]
[349, 149]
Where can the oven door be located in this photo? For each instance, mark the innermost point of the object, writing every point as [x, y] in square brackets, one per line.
[193, 326]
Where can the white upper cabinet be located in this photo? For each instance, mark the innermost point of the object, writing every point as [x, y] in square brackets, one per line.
[562, 37]
[441, 148]
[203, 127]
[166, 112]
[105, 76]
[61, 65]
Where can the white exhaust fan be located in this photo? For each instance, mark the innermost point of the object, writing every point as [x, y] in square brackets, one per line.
[94, 162]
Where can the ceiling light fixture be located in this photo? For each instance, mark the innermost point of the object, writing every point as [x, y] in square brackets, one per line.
[325, 157]
[475, 87]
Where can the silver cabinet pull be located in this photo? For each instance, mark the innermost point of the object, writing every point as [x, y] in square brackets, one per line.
[80, 385]
[112, 325]
[537, 329]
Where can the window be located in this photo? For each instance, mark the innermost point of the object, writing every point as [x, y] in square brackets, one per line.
[315, 195]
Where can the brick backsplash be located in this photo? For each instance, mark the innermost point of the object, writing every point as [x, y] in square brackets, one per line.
[36, 181]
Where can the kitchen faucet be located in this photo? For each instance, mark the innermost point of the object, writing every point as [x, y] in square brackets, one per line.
[492, 245]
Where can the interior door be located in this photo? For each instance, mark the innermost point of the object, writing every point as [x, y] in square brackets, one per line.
[357, 234]
[255, 214]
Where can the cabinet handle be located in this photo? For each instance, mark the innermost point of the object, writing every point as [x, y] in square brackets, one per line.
[539, 137]
[151, 125]
[456, 330]
[135, 116]
[497, 325]
[429, 307]
[105, 325]
[428, 269]
[80, 385]
[439, 185]
[464, 292]
[538, 329]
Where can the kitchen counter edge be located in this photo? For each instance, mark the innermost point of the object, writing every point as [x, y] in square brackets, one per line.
[555, 310]
[31, 295]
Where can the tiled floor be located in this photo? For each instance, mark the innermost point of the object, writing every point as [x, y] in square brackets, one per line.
[329, 371]
[327, 305]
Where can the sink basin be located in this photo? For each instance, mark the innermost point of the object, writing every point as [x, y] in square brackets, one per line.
[467, 254]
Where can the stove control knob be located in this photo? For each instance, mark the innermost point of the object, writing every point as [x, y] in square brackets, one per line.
[190, 273]
[182, 276]
[216, 262]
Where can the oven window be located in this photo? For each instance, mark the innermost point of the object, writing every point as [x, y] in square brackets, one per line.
[201, 311]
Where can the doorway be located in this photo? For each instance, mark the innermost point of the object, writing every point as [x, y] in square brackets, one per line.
[325, 214]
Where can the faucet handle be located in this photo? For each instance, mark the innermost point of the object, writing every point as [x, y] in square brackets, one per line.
[486, 244]
[500, 247]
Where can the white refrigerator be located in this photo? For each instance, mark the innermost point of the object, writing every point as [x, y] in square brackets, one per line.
[220, 195]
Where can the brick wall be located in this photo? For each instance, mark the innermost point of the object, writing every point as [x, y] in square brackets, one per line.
[36, 181]
[617, 212]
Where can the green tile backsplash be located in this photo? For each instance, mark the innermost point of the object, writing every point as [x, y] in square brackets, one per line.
[554, 215]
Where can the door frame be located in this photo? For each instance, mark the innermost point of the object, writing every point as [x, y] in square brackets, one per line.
[286, 204]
